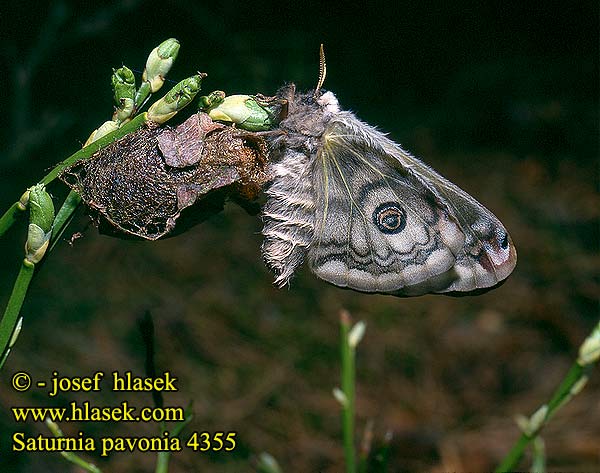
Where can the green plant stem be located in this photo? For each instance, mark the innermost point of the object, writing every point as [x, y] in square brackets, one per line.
[13, 308]
[348, 381]
[11, 216]
[77, 460]
[70, 456]
[538, 465]
[515, 454]
[560, 395]
[15, 303]
[563, 394]
[383, 456]
[64, 216]
[162, 460]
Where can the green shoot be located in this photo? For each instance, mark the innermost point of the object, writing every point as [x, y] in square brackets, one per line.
[70, 456]
[350, 337]
[573, 383]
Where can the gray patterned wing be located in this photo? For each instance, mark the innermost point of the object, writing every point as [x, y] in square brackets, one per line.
[385, 222]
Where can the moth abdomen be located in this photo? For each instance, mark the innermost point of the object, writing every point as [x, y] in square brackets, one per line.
[288, 216]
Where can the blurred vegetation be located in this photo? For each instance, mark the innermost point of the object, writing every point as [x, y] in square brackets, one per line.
[500, 98]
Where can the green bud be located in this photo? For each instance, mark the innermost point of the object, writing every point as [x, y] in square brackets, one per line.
[37, 243]
[125, 110]
[340, 397]
[176, 99]
[211, 100]
[522, 423]
[231, 109]
[537, 420]
[356, 334]
[579, 385]
[159, 63]
[169, 48]
[247, 112]
[104, 129]
[268, 464]
[16, 332]
[123, 84]
[24, 200]
[41, 208]
[41, 218]
[589, 352]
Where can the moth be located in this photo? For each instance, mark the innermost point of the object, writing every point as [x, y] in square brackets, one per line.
[369, 216]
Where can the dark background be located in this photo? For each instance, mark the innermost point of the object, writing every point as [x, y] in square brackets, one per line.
[502, 98]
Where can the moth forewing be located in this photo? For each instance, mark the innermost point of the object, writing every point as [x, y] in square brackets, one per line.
[414, 239]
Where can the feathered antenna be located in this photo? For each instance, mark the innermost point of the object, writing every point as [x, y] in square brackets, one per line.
[322, 70]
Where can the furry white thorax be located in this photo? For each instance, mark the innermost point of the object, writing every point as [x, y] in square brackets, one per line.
[329, 102]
